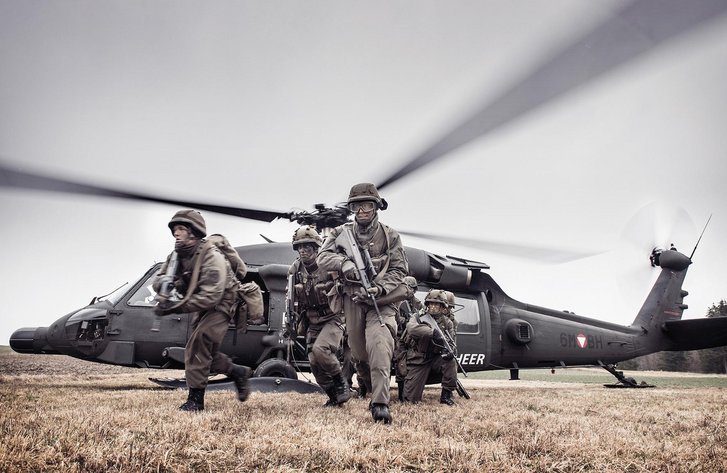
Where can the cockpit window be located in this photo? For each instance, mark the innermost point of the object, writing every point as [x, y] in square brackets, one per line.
[115, 296]
[467, 314]
[144, 296]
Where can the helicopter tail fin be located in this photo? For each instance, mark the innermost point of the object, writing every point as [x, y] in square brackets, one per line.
[665, 301]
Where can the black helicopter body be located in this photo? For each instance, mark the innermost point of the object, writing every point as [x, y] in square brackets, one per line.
[494, 331]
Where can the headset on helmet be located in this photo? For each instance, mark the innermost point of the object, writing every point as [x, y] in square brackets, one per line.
[306, 234]
[367, 191]
[192, 219]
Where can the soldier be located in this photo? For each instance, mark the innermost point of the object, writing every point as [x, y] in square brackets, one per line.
[371, 339]
[408, 307]
[451, 305]
[323, 329]
[423, 352]
[210, 291]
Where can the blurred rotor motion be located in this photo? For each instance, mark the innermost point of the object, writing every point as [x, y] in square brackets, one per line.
[654, 228]
[658, 226]
[531, 252]
[637, 29]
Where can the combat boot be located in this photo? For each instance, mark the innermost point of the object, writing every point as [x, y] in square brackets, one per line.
[195, 401]
[240, 374]
[341, 389]
[446, 397]
[331, 402]
[380, 413]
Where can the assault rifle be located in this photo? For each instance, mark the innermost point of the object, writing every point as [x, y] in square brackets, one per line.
[291, 312]
[166, 288]
[291, 317]
[447, 346]
[365, 269]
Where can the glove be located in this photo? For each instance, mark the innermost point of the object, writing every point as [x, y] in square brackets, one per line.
[447, 356]
[437, 338]
[360, 295]
[374, 291]
[168, 307]
[348, 268]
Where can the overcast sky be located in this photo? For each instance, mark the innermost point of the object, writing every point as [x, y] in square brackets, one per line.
[281, 105]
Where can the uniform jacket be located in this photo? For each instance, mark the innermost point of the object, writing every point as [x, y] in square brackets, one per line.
[418, 339]
[216, 287]
[385, 248]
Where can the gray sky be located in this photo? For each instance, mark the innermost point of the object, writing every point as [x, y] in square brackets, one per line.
[281, 105]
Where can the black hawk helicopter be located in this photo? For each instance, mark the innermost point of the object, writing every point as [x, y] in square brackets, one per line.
[495, 331]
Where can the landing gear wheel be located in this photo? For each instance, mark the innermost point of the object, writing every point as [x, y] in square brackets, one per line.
[275, 368]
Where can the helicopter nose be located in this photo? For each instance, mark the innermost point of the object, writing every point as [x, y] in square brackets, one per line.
[31, 340]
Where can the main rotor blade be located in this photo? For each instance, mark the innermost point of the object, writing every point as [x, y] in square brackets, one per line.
[25, 180]
[538, 253]
[636, 30]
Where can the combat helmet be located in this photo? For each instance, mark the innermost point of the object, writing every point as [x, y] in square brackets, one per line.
[437, 295]
[450, 299]
[192, 219]
[366, 191]
[306, 234]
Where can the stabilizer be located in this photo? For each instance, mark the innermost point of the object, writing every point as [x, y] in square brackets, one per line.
[696, 334]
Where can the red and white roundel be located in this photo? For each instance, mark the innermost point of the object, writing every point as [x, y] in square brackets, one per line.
[582, 340]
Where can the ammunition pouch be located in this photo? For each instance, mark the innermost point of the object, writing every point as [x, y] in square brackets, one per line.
[250, 305]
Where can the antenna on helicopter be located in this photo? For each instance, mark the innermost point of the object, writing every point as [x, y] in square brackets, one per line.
[700, 236]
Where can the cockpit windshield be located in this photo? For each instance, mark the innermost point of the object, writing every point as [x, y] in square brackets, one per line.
[114, 297]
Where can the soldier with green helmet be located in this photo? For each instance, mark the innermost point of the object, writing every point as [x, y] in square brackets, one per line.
[209, 288]
[411, 305]
[424, 354]
[371, 334]
[323, 328]
[451, 306]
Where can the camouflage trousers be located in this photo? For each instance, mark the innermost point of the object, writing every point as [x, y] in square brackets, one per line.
[417, 375]
[372, 346]
[323, 341]
[202, 353]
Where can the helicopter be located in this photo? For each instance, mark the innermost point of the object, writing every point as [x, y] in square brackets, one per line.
[496, 331]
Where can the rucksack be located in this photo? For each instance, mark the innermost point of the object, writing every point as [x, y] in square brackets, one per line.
[250, 307]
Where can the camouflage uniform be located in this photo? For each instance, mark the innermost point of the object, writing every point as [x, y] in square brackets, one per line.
[406, 309]
[424, 357]
[372, 346]
[323, 329]
[211, 301]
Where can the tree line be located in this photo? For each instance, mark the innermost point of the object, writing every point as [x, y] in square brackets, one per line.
[710, 360]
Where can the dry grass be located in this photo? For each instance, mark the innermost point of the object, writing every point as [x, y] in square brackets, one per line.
[60, 414]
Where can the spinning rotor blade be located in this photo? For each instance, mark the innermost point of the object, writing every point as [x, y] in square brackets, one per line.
[657, 226]
[24, 180]
[636, 30]
[547, 255]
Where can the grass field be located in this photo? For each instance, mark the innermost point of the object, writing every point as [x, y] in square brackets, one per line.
[62, 414]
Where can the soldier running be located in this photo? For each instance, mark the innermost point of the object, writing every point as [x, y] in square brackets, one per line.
[210, 291]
